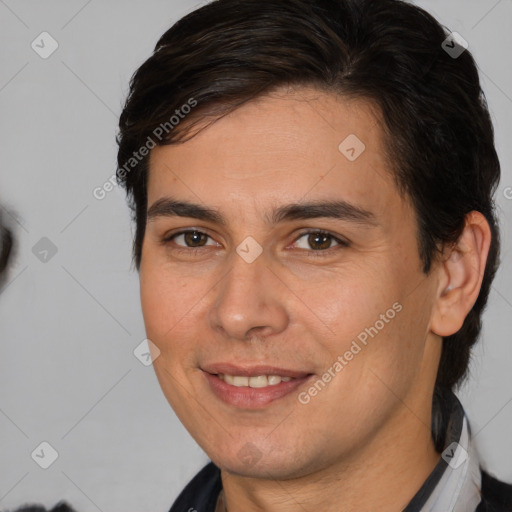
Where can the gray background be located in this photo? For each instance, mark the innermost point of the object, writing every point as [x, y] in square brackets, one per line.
[69, 325]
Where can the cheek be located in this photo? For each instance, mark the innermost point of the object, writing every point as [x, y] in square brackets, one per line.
[154, 302]
[371, 323]
[165, 300]
[166, 309]
[173, 314]
[348, 304]
[392, 356]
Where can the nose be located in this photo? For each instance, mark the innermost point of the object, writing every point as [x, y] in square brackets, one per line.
[250, 301]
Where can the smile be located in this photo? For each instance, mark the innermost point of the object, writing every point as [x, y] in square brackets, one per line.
[254, 391]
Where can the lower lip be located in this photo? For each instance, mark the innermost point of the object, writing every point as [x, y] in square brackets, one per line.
[252, 398]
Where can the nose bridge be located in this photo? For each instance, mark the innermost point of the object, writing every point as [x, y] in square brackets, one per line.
[246, 297]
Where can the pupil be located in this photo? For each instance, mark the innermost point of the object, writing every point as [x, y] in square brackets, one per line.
[193, 237]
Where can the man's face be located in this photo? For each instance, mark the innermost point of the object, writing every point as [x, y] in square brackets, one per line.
[261, 295]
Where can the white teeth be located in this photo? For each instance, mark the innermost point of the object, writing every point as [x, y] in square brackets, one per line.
[274, 379]
[260, 381]
[240, 381]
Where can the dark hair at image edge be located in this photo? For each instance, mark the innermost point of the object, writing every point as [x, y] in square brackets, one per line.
[6, 250]
[434, 116]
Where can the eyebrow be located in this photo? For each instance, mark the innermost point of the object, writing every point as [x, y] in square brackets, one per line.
[339, 209]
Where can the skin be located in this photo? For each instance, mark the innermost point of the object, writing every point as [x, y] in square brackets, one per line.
[363, 442]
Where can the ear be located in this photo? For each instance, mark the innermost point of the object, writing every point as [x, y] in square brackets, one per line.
[461, 274]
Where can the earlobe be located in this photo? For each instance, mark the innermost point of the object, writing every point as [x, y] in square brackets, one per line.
[461, 276]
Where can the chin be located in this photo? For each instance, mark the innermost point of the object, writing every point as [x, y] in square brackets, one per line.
[251, 462]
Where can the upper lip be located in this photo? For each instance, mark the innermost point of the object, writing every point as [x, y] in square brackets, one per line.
[248, 370]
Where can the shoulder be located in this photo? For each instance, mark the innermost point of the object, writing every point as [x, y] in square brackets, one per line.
[201, 493]
[496, 495]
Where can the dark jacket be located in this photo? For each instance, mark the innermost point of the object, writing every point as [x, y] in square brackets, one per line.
[202, 491]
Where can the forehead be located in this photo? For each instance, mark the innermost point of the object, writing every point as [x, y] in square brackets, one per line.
[288, 146]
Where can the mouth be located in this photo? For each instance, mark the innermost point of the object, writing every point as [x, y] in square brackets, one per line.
[253, 387]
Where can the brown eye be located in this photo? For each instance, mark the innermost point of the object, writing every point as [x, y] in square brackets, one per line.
[319, 241]
[192, 238]
[188, 239]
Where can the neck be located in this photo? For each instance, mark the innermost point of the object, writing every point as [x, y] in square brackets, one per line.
[384, 475]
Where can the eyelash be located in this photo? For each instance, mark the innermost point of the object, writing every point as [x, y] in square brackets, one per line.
[311, 253]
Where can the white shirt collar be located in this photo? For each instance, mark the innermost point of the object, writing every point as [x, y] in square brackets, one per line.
[458, 490]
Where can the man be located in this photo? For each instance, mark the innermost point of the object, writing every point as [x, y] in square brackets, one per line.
[315, 235]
